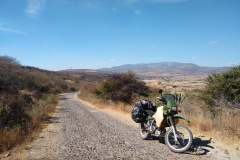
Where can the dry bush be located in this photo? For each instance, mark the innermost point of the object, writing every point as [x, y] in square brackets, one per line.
[228, 123]
[86, 91]
[21, 125]
[198, 116]
[226, 117]
[10, 137]
[122, 87]
[27, 96]
[220, 120]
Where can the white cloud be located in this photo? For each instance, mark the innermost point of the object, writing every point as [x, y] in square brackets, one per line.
[213, 42]
[11, 30]
[34, 8]
[137, 11]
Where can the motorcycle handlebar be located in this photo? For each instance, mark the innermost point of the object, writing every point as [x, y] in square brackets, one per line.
[162, 99]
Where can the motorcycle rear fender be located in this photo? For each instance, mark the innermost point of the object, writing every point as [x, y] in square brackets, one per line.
[181, 117]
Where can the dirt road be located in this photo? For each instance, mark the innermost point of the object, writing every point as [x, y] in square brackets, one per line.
[78, 131]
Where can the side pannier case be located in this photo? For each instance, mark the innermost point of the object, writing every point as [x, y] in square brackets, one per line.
[148, 105]
[138, 113]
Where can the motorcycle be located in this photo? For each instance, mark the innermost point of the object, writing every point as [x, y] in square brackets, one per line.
[178, 138]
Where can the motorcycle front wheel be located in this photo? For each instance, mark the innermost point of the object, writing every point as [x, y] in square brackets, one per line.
[184, 139]
[144, 132]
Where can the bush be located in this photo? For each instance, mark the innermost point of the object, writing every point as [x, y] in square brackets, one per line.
[222, 86]
[8, 60]
[122, 87]
[4, 112]
[27, 96]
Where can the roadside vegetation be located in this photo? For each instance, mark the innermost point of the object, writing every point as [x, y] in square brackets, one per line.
[28, 96]
[122, 87]
[217, 107]
[119, 91]
[214, 109]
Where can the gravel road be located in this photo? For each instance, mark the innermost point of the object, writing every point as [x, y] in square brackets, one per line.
[80, 132]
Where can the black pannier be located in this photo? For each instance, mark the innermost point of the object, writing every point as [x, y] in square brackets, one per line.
[148, 105]
[138, 113]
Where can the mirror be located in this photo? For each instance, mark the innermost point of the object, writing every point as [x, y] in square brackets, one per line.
[160, 91]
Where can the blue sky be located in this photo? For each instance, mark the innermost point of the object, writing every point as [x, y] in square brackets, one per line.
[92, 34]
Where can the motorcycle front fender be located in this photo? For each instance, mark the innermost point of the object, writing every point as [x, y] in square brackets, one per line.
[181, 117]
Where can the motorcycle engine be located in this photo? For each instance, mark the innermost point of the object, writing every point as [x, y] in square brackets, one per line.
[152, 126]
[152, 129]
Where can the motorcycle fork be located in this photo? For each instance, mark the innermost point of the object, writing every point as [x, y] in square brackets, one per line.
[174, 129]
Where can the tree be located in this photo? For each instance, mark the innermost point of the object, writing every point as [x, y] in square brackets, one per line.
[8, 60]
[122, 87]
[223, 85]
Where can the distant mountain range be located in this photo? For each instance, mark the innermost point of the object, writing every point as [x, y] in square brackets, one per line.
[167, 67]
[153, 70]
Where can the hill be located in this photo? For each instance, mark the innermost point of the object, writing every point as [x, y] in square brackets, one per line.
[167, 71]
[165, 67]
[88, 74]
[28, 96]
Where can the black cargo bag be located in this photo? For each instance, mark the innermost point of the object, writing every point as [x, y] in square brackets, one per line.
[138, 113]
[148, 105]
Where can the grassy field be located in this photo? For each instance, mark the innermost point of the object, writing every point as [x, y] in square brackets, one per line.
[178, 83]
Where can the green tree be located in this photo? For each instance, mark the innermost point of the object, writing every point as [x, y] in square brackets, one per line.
[223, 85]
[122, 87]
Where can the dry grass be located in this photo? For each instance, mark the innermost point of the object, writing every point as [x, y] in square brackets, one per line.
[177, 86]
[39, 114]
[224, 121]
[223, 126]
[101, 104]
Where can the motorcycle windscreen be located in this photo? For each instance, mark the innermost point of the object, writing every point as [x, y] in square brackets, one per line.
[158, 116]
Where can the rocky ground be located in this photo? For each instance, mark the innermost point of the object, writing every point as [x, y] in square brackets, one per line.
[78, 131]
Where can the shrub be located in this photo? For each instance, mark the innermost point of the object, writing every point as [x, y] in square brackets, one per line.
[8, 60]
[225, 85]
[4, 112]
[122, 87]
[27, 96]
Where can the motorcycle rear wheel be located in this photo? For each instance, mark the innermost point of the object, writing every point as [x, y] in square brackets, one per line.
[144, 132]
[184, 137]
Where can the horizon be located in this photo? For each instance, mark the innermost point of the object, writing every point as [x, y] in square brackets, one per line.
[79, 34]
[166, 62]
[143, 64]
